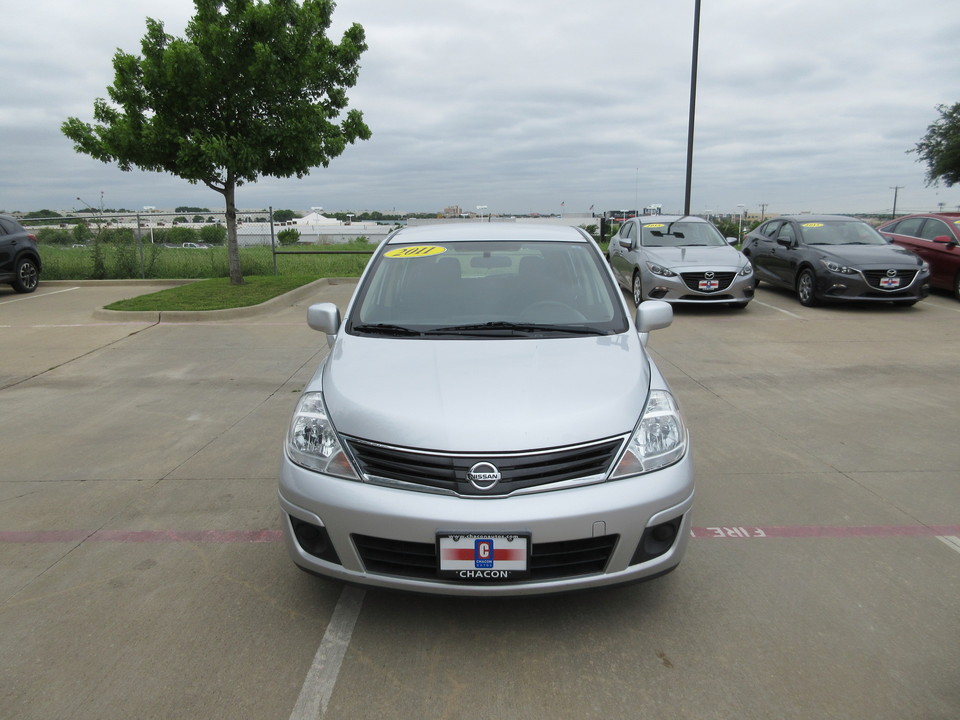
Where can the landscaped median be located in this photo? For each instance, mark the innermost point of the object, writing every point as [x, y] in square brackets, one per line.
[195, 300]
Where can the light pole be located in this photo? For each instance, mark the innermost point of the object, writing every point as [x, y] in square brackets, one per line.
[740, 233]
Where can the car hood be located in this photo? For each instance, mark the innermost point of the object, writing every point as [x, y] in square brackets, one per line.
[869, 255]
[713, 256]
[484, 395]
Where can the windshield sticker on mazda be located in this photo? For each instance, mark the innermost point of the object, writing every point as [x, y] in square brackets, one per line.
[415, 251]
[812, 225]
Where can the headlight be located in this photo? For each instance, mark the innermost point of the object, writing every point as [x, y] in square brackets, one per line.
[925, 267]
[659, 440]
[313, 443]
[660, 270]
[746, 270]
[838, 268]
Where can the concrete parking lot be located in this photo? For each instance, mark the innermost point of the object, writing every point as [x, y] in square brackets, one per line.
[142, 574]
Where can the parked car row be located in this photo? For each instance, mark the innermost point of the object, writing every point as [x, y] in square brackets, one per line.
[822, 258]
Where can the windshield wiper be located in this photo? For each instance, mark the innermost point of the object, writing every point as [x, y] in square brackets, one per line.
[386, 329]
[522, 328]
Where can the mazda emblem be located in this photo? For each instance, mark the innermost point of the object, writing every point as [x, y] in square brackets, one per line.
[891, 273]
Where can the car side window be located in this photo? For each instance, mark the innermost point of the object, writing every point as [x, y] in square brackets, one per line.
[787, 232]
[909, 227]
[770, 229]
[629, 233]
[934, 228]
[5, 228]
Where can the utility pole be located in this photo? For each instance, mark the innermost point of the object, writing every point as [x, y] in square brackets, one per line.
[763, 211]
[895, 188]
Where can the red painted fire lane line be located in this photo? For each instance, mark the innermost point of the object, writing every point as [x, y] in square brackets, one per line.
[268, 536]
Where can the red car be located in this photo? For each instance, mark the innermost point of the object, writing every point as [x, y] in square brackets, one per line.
[935, 237]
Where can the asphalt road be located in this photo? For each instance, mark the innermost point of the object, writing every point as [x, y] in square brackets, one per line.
[142, 575]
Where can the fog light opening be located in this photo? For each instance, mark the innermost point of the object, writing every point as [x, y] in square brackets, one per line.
[657, 540]
[314, 540]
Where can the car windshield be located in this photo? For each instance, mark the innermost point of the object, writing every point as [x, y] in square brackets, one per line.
[840, 232]
[680, 234]
[488, 289]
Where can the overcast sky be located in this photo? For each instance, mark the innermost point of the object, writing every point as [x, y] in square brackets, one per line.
[539, 106]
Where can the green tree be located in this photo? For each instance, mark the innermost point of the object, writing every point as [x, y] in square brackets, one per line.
[213, 234]
[284, 215]
[940, 147]
[255, 88]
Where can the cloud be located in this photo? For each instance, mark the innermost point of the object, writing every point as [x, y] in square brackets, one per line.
[802, 105]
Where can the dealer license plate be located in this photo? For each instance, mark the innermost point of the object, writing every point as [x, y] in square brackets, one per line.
[484, 557]
[888, 282]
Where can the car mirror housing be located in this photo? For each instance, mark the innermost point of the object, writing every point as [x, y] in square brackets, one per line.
[945, 239]
[324, 317]
[653, 315]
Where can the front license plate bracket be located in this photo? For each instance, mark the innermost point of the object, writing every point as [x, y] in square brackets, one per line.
[482, 556]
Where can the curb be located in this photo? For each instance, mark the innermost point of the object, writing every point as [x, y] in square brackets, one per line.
[286, 300]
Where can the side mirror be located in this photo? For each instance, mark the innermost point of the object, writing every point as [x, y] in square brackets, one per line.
[731, 241]
[945, 239]
[325, 317]
[786, 243]
[653, 315]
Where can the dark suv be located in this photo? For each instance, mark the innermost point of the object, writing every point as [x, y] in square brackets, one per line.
[19, 256]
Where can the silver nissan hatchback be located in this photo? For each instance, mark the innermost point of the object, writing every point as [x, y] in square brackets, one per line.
[463, 435]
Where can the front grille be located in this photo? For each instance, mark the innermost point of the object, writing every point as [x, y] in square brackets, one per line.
[548, 561]
[722, 279]
[448, 472]
[874, 277]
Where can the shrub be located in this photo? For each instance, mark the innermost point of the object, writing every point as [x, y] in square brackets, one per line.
[290, 236]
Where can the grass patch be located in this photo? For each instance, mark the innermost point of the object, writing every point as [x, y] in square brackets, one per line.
[159, 262]
[215, 294]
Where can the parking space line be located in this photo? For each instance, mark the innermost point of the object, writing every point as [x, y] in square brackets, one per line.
[34, 296]
[951, 541]
[774, 307]
[322, 676]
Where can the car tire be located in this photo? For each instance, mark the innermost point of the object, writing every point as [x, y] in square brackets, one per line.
[807, 288]
[637, 289]
[26, 277]
[956, 286]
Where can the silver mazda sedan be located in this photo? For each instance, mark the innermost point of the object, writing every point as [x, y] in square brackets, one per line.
[463, 437]
[680, 260]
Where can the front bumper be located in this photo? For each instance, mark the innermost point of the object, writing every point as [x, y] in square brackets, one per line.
[834, 286]
[696, 287]
[618, 517]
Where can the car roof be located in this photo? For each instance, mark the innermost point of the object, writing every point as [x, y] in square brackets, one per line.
[668, 218]
[948, 216]
[819, 218]
[442, 232]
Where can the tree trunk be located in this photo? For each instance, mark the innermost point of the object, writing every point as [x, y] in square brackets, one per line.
[233, 250]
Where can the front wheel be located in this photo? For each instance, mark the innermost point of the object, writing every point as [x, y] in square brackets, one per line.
[956, 286]
[27, 276]
[806, 288]
[637, 290]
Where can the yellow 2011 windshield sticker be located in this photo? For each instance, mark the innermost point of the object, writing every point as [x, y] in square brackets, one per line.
[415, 251]
[812, 225]
[655, 225]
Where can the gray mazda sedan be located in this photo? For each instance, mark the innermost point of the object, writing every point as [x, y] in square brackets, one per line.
[462, 436]
[680, 259]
